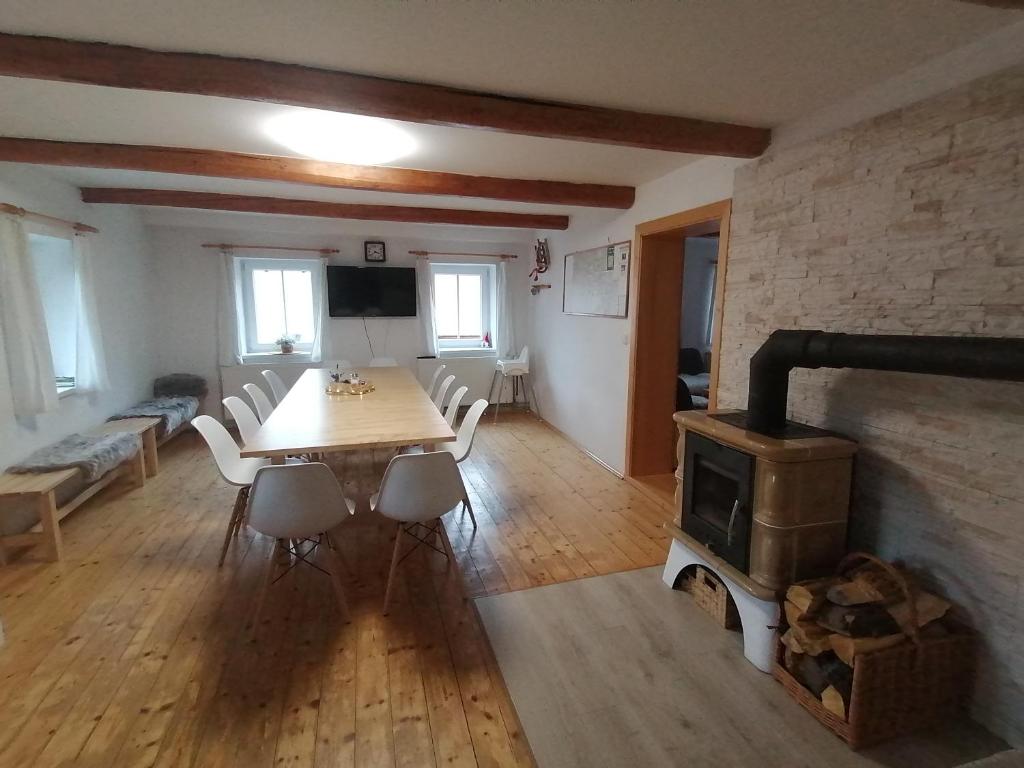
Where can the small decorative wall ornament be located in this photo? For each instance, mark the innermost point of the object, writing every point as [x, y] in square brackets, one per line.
[538, 287]
[543, 257]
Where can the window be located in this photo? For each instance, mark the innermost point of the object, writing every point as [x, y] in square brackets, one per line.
[278, 301]
[54, 263]
[464, 305]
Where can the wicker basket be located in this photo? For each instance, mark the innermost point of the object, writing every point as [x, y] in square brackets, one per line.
[896, 690]
[712, 596]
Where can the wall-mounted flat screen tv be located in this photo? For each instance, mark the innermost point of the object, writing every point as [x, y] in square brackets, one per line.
[371, 291]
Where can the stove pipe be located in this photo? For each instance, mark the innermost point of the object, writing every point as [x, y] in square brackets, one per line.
[965, 357]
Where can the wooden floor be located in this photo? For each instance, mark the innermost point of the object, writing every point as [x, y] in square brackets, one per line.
[674, 688]
[138, 651]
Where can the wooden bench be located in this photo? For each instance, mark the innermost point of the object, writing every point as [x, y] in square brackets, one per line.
[145, 428]
[42, 488]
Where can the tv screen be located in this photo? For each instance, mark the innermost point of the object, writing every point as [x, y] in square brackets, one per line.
[371, 291]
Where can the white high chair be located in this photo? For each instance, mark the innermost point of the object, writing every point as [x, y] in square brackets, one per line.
[518, 369]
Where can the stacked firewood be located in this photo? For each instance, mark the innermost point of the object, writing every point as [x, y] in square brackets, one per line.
[832, 621]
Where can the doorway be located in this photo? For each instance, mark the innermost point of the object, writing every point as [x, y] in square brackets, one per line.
[656, 352]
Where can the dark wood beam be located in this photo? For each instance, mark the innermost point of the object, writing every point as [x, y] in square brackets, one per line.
[122, 66]
[215, 201]
[235, 165]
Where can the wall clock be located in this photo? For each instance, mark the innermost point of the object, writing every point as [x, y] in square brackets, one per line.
[373, 250]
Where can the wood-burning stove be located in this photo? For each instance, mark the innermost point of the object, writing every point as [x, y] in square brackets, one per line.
[774, 509]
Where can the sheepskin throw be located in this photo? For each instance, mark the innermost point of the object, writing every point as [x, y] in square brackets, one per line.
[174, 411]
[95, 455]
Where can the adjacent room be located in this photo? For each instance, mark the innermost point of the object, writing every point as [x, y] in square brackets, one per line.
[502, 383]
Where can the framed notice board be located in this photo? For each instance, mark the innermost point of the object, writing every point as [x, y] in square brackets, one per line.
[596, 281]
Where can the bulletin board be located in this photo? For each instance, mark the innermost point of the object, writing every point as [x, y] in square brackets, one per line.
[596, 281]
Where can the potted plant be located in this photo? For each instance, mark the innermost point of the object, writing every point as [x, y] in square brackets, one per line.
[287, 344]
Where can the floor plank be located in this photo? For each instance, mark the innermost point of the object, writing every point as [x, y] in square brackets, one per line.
[673, 689]
[137, 650]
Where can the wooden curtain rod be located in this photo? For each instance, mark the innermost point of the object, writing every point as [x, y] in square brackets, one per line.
[78, 226]
[231, 246]
[428, 254]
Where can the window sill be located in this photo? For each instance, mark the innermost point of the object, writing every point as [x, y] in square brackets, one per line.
[277, 358]
[63, 392]
[467, 352]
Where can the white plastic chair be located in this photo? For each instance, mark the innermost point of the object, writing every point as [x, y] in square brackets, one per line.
[259, 398]
[383, 362]
[246, 421]
[295, 503]
[232, 467]
[277, 387]
[464, 443]
[452, 413]
[417, 489]
[434, 379]
[464, 439]
[517, 369]
[442, 391]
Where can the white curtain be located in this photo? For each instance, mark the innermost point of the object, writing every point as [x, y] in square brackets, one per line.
[321, 314]
[505, 343]
[425, 289]
[229, 342]
[27, 345]
[91, 359]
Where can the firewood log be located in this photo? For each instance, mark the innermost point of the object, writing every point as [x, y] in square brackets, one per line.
[833, 701]
[868, 584]
[811, 637]
[808, 596]
[929, 608]
[792, 644]
[869, 620]
[848, 648]
[809, 673]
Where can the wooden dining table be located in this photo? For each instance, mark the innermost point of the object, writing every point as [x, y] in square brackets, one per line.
[397, 413]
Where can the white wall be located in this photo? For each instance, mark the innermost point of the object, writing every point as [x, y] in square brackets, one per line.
[581, 364]
[699, 255]
[123, 276]
[187, 300]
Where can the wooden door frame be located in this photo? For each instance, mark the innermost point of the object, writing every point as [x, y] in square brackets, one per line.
[642, 414]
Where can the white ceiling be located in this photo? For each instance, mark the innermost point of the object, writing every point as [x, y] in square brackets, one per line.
[750, 61]
[743, 60]
[51, 110]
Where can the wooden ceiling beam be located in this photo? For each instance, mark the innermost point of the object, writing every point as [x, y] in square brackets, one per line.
[215, 201]
[236, 165]
[122, 66]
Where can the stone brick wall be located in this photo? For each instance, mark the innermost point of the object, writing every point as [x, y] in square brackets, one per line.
[912, 222]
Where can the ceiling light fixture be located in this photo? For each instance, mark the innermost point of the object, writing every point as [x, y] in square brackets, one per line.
[340, 138]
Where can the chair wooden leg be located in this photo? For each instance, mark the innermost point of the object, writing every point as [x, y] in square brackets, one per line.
[394, 565]
[268, 579]
[445, 541]
[232, 526]
[468, 507]
[243, 502]
[335, 569]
